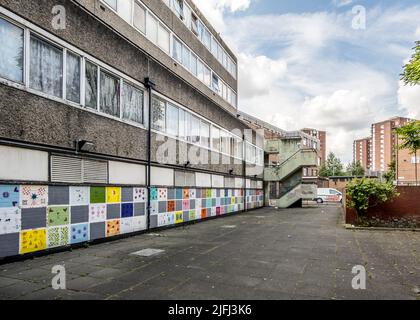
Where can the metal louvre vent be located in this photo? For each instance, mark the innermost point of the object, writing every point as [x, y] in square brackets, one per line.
[66, 169]
[76, 170]
[95, 171]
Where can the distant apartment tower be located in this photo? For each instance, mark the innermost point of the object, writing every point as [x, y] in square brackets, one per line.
[362, 152]
[322, 137]
[385, 149]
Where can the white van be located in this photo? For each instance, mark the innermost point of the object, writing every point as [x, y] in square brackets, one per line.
[328, 195]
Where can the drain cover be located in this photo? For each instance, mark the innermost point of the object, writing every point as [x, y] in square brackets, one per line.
[147, 252]
[229, 227]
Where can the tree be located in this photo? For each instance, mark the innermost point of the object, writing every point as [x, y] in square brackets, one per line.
[410, 136]
[390, 175]
[332, 167]
[356, 169]
[411, 75]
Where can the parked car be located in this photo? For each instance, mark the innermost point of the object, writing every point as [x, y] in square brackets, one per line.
[328, 195]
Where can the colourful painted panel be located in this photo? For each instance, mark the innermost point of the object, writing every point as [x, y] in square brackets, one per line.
[9, 196]
[97, 213]
[139, 195]
[57, 236]
[162, 194]
[126, 225]
[97, 195]
[57, 216]
[113, 195]
[154, 195]
[179, 217]
[33, 240]
[79, 233]
[127, 210]
[33, 196]
[10, 220]
[185, 193]
[185, 205]
[113, 228]
[79, 196]
[139, 223]
[171, 206]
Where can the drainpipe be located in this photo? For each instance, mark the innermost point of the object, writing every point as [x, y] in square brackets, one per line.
[244, 170]
[150, 85]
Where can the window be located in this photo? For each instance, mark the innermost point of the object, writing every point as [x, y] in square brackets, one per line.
[220, 54]
[124, 9]
[172, 120]
[73, 78]
[193, 65]
[91, 86]
[186, 57]
[194, 24]
[200, 71]
[177, 50]
[225, 142]
[158, 114]
[152, 28]
[11, 51]
[133, 99]
[237, 149]
[215, 136]
[206, 38]
[179, 8]
[112, 4]
[182, 125]
[109, 95]
[46, 71]
[215, 84]
[139, 17]
[195, 129]
[214, 46]
[207, 76]
[205, 134]
[164, 39]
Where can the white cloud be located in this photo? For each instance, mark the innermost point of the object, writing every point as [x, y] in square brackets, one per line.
[409, 100]
[342, 3]
[300, 70]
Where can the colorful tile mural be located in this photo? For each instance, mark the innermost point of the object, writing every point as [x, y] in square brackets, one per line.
[43, 217]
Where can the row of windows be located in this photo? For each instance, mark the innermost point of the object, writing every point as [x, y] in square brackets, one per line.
[137, 15]
[185, 126]
[59, 72]
[197, 27]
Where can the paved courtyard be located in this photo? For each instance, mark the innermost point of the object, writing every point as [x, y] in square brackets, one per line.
[264, 254]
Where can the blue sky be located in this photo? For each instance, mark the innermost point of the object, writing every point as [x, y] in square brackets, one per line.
[301, 62]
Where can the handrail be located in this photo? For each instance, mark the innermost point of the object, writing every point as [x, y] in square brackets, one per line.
[288, 159]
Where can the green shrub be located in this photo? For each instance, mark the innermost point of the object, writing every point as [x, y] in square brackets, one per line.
[367, 193]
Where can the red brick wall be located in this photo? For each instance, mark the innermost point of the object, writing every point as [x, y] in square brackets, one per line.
[407, 205]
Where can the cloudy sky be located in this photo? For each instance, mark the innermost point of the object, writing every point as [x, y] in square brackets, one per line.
[302, 64]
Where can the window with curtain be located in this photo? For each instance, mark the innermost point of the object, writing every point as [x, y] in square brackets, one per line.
[205, 134]
[177, 50]
[215, 84]
[179, 8]
[200, 70]
[139, 19]
[195, 129]
[46, 68]
[207, 76]
[109, 95]
[158, 114]
[172, 120]
[133, 99]
[11, 51]
[225, 142]
[91, 86]
[73, 77]
[215, 136]
[194, 24]
[182, 134]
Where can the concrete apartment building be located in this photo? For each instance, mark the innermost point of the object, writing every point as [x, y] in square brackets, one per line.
[384, 150]
[322, 137]
[292, 161]
[77, 159]
[362, 152]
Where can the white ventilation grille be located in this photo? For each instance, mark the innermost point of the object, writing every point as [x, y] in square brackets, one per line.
[76, 170]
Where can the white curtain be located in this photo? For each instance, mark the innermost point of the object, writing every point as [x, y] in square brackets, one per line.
[133, 104]
[46, 73]
[11, 51]
[73, 78]
[109, 95]
[91, 87]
